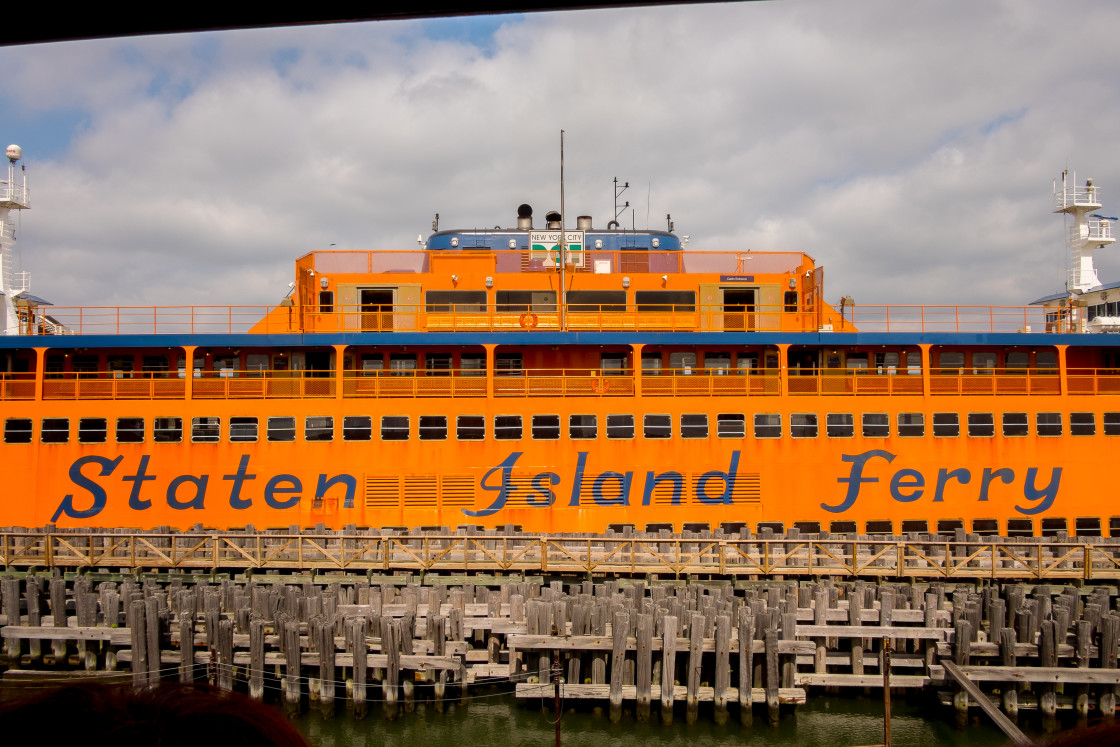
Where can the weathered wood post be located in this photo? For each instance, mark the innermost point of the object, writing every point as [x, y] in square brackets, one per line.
[746, 667]
[138, 634]
[1007, 659]
[391, 647]
[620, 629]
[723, 668]
[773, 674]
[11, 603]
[292, 667]
[359, 630]
[695, 660]
[644, 682]
[256, 658]
[58, 617]
[668, 667]
[327, 670]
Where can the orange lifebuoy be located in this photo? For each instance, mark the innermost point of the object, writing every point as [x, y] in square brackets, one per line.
[600, 386]
[528, 320]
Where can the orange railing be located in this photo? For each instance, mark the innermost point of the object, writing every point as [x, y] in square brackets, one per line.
[17, 386]
[710, 382]
[119, 320]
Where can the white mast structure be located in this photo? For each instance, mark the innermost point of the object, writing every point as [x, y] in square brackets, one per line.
[1087, 234]
[13, 196]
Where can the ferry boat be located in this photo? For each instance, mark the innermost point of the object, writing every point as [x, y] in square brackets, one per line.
[565, 380]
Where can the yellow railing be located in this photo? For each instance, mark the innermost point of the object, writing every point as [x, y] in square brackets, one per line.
[1039, 559]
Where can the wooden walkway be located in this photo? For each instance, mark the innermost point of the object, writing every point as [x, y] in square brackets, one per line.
[697, 554]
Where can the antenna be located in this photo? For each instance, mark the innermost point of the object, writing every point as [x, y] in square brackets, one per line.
[618, 193]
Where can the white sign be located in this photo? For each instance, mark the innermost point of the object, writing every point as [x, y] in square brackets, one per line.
[548, 244]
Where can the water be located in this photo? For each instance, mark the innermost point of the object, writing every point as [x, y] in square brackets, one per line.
[496, 718]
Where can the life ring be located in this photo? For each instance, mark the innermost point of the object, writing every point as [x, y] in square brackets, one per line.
[528, 320]
[600, 386]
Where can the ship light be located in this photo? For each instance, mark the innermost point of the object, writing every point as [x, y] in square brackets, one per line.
[513, 243]
[598, 243]
[656, 242]
[626, 282]
[490, 280]
[454, 241]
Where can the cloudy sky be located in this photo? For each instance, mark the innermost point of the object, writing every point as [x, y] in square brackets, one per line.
[909, 147]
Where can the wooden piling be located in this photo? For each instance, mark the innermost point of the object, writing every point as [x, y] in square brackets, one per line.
[668, 667]
[620, 628]
[256, 659]
[695, 659]
[644, 664]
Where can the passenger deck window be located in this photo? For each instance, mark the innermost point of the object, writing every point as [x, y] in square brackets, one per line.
[545, 427]
[981, 425]
[206, 430]
[1112, 424]
[507, 427]
[55, 430]
[620, 426]
[282, 429]
[93, 430]
[946, 424]
[803, 425]
[433, 427]
[1015, 424]
[130, 430]
[839, 425]
[694, 425]
[1082, 424]
[167, 430]
[911, 424]
[470, 428]
[876, 425]
[318, 428]
[242, 429]
[1048, 423]
[731, 425]
[394, 428]
[357, 428]
[17, 431]
[657, 426]
[583, 426]
[767, 425]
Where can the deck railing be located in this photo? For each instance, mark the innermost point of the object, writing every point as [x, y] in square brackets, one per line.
[929, 558]
[122, 320]
[687, 382]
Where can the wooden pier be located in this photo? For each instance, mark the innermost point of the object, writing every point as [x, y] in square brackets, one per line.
[646, 648]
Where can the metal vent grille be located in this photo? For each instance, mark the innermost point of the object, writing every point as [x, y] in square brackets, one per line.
[457, 491]
[421, 491]
[383, 492]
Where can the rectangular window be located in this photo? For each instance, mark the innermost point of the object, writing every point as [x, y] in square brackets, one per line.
[657, 426]
[1112, 424]
[17, 431]
[130, 430]
[93, 430]
[282, 429]
[243, 429]
[507, 427]
[911, 424]
[946, 424]
[583, 426]
[507, 364]
[394, 428]
[951, 361]
[402, 364]
[546, 427]
[318, 428]
[665, 301]
[357, 428]
[470, 428]
[1017, 361]
[717, 364]
[206, 430]
[596, 300]
[612, 364]
[767, 425]
[437, 364]
[455, 300]
[1015, 424]
[520, 301]
[876, 425]
[839, 425]
[694, 425]
[981, 425]
[55, 430]
[167, 430]
[1048, 423]
[1082, 424]
[433, 427]
[803, 425]
[472, 364]
[620, 426]
[651, 364]
[983, 363]
[683, 363]
[731, 425]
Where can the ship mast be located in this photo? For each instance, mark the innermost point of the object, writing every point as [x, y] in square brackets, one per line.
[1088, 233]
[13, 197]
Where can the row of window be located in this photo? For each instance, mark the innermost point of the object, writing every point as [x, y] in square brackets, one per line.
[1088, 526]
[246, 429]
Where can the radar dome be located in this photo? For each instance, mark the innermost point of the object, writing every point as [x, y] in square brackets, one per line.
[14, 153]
